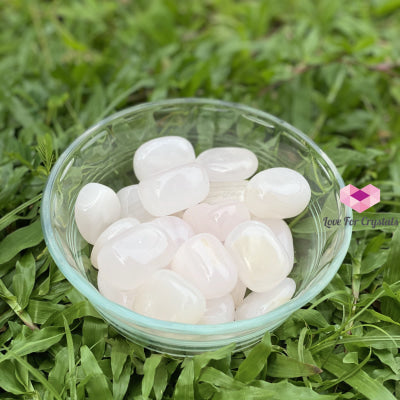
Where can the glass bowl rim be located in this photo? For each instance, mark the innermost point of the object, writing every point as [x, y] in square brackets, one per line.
[128, 316]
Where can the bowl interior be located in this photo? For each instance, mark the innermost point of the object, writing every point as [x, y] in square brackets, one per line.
[104, 154]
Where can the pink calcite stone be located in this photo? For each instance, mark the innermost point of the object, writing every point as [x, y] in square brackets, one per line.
[96, 208]
[176, 229]
[217, 219]
[112, 291]
[360, 199]
[226, 164]
[168, 296]
[256, 304]
[238, 292]
[219, 311]
[112, 231]
[261, 258]
[132, 256]
[282, 232]
[205, 263]
[174, 190]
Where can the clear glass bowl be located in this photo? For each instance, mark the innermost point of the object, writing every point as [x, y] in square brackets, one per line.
[104, 154]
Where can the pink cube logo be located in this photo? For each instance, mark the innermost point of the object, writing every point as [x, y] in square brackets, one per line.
[360, 199]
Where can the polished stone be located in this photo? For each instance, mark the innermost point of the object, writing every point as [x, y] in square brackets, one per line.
[277, 193]
[131, 206]
[228, 163]
[174, 190]
[256, 304]
[260, 256]
[113, 292]
[176, 229]
[204, 262]
[161, 154]
[169, 297]
[282, 232]
[221, 192]
[217, 219]
[113, 230]
[133, 255]
[219, 311]
[238, 292]
[97, 207]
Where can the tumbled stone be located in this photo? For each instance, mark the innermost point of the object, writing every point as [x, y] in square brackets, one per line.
[238, 292]
[217, 219]
[277, 193]
[161, 154]
[113, 230]
[221, 192]
[256, 304]
[174, 190]
[131, 206]
[261, 258]
[218, 311]
[176, 228]
[169, 297]
[113, 292]
[134, 254]
[204, 262]
[228, 163]
[96, 207]
[282, 232]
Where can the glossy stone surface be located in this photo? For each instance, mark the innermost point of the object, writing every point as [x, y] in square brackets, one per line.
[218, 311]
[256, 304]
[97, 206]
[133, 255]
[217, 219]
[174, 190]
[131, 206]
[221, 192]
[176, 228]
[260, 256]
[238, 292]
[282, 232]
[113, 230]
[204, 262]
[167, 296]
[161, 154]
[277, 193]
[113, 292]
[228, 163]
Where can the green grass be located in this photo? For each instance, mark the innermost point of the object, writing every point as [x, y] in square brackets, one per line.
[329, 67]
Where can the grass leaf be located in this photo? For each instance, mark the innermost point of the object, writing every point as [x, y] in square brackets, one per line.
[21, 239]
[255, 360]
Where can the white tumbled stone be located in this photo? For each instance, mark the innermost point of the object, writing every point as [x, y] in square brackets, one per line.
[174, 190]
[217, 219]
[221, 192]
[282, 232]
[204, 262]
[238, 292]
[161, 154]
[178, 230]
[130, 257]
[225, 164]
[277, 193]
[261, 258]
[218, 311]
[256, 304]
[113, 230]
[169, 297]
[109, 289]
[131, 206]
[97, 206]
